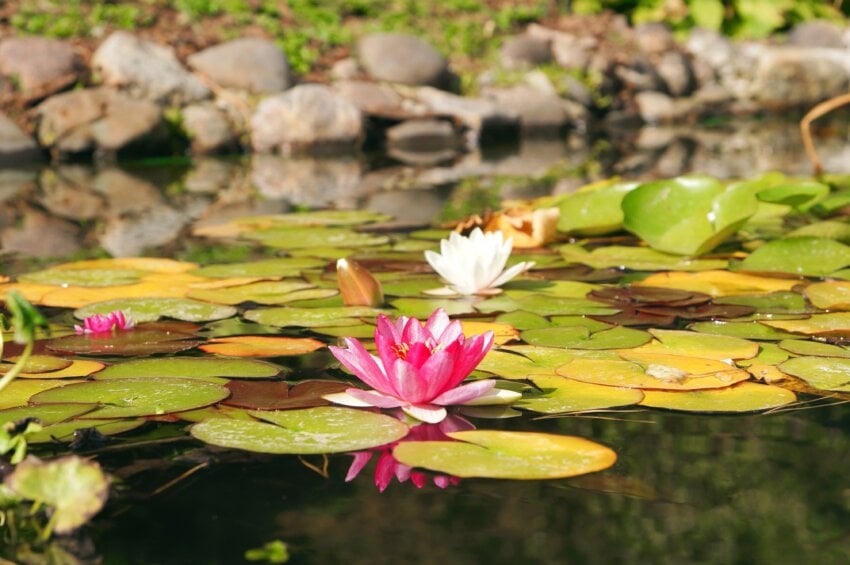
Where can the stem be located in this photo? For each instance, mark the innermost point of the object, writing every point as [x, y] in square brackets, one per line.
[806, 123]
[13, 372]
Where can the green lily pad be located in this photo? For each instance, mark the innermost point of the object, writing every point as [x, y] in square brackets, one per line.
[636, 259]
[796, 194]
[19, 391]
[770, 303]
[191, 368]
[579, 337]
[514, 366]
[47, 414]
[281, 267]
[693, 344]
[263, 293]
[832, 229]
[130, 398]
[804, 347]
[328, 218]
[139, 341]
[660, 376]
[80, 277]
[811, 256]
[507, 455]
[559, 395]
[769, 354]
[312, 430]
[409, 287]
[837, 323]
[37, 364]
[594, 210]
[523, 320]
[151, 309]
[825, 373]
[305, 238]
[743, 397]
[743, 330]
[290, 316]
[74, 488]
[65, 431]
[423, 307]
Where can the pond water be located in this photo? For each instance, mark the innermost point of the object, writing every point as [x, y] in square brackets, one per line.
[692, 488]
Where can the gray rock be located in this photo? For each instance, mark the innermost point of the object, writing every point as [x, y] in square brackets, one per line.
[570, 51]
[210, 176]
[538, 112]
[346, 69]
[308, 182]
[372, 98]
[146, 70]
[252, 64]
[483, 118]
[525, 51]
[789, 77]
[575, 90]
[309, 117]
[817, 33]
[654, 38]
[130, 236]
[402, 58]
[15, 180]
[208, 128]
[38, 65]
[710, 46]
[15, 145]
[37, 234]
[675, 70]
[423, 142]
[96, 118]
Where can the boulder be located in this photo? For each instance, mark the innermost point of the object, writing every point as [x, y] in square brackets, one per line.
[423, 142]
[538, 112]
[146, 70]
[525, 51]
[481, 117]
[256, 65]
[675, 70]
[374, 99]
[569, 51]
[817, 33]
[130, 236]
[309, 117]
[208, 128]
[39, 66]
[402, 58]
[654, 38]
[15, 145]
[308, 182]
[788, 77]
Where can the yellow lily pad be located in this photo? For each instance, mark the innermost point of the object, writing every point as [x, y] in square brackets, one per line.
[559, 395]
[743, 397]
[829, 295]
[503, 333]
[78, 368]
[719, 283]
[622, 373]
[261, 346]
[19, 391]
[837, 323]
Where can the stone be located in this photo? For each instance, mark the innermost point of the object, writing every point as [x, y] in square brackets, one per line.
[15, 145]
[38, 65]
[126, 194]
[655, 107]
[256, 65]
[654, 38]
[346, 69]
[402, 58]
[791, 77]
[210, 175]
[314, 183]
[64, 197]
[97, 119]
[146, 70]
[309, 117]
[423, 142]
[639, 76]
[373, 98]
[538, 112]
[817, 33]
[575, 90]
[208, 128]
[36, 234]
[483, 118]
[675, 70]
[131, 236]
[408, 207]
[523, 51]
[569, 51]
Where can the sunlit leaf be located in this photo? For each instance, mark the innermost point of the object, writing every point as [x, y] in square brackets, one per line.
[78, 368]
[707, 346]
[578, 337]
[636, 259]
[37, 364]
[829, 295]
[280, 267]
[47, 414]
[632, 375]
[825, 373]
[507, 455]
[503, 333]
[152, 309]
[719, 283]
[311, 317]
[19, 391]
[796, 194]
[837, 323]
[297, 219]
[812, 256]
[745, 330]
[743, 397]
[79, 277]
[190, 367]
[266, 292]
[276, 395]
[559, 395]
[306, 238]
[595, 209]
[262, 346]
[816, 348]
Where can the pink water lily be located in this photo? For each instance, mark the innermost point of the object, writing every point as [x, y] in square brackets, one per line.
[104, 323]
[419, 368]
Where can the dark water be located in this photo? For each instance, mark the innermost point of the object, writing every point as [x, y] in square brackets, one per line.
[686, 489]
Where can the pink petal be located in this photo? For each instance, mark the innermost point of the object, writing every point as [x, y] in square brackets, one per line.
[417, 354]
[452, 332]
[464, 393]
[413, 332]
[437, 323]
[375, 398]
[419, 479]
[473, 352]
[427, 413]
[360, 362]
[455, 423]
[387, 329]
[360, 460]
[409, 383]
[442, 481]
[438, 371]
[402, 471]
[384, 471]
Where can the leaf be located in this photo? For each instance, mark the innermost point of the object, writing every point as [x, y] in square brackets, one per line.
[47, 414]
[578, 337]
[75, 488]
[312, 430]
[744, 330]
[743, 397]
[129, 398]
[503, 333]
[37, 364]
[829, 295]
[707, 14]
[276, 395]
[138, 341]
[423, 307]
[594, 210]
[67, 431]
[560, 395]
[507, 455]
[796, 194]
[265, 292]
[261, 346]
[78, 277]
[814, 348]
[19, 391]
[667, 376]
[836, 324]
[825, 373]
[280, 267]
[78, 368]
[305, 238]
[706, 346]
[151, 309]
[719, 283]
[811, 256]
[190, 367]
[636, 259]
[291, 316]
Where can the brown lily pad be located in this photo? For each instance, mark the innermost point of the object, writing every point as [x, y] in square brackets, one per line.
[277, 395]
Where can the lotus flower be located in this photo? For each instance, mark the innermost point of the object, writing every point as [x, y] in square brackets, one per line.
[389, 467]
[104, 323]
[475, 264]
[418, 368]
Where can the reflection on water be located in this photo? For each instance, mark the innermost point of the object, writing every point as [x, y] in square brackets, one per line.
[686, 489]
[148, 207]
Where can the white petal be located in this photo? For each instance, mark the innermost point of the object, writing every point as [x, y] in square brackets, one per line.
[512, 272]
[345, 399]
[428, 413]
[494, 396]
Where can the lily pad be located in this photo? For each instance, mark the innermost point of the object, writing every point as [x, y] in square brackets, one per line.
[707, 346]
[559, 395]
[290, 316]
[832, 229]
[265, 292]
[595, 209]
[37, 364]
[78, 368]
[770, 303]
[507, 455]
[130, 398]
[743, 397]
[277, 395]
[19, 391]
[307, 238]
[138, 341]
[814, 348]
[829, 295]
[811, 256]
[280, 267]
[87, 278]
[514, 366]
[423, 307]
[720, 283]
[743, 330]
[66, 431]
[636, 259]
[836, 324]
[796, 194]
[325, 429]
[668, 376]
[151, 309]
[47, 414]
[190, 367]
[825, 373]
[578, 337]
[261, 346]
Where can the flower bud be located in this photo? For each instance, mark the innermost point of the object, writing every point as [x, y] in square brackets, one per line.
[357, 285]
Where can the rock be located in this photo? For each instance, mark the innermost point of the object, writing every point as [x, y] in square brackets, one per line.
[402, 58]
[525, 51]
[654, 38]
[575, 90]
[374, 99]
[256, 65]
[308, 182]
[38, 65]
[483, 118]
[423, 142]
[346, 69]
[210, 176]
[655, 107]
[538, 112]
[146, 70]
[64, 197]
[676, 72]
[639, 76]
[789, 77]
[570, 51]
[97, 119]
[710, 46]
[126, 194]
[817, 33]
[208, 128]
[309, 117]
[36, 234]
[16, 146]
[130, 236]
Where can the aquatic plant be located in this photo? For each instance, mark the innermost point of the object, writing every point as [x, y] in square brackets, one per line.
[104, 323]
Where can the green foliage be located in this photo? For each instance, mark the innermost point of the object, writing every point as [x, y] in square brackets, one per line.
[271, 552]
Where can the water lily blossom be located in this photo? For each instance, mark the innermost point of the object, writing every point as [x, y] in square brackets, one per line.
[419, 368]
[104, 323]
[475, 264]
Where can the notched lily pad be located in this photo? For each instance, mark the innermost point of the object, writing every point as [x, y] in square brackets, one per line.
[559, 395]
[277, 395]
[190, 367]
[743, 397]
[138, 341]
[151, 309]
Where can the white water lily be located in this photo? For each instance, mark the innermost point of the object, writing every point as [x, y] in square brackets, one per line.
[475, 264]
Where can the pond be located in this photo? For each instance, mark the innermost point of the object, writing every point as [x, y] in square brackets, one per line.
[703, 366]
